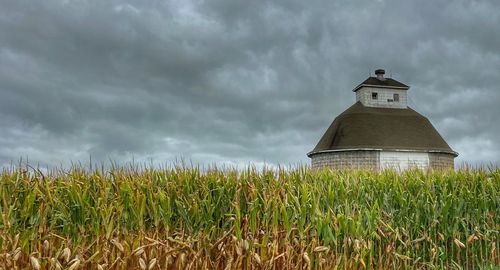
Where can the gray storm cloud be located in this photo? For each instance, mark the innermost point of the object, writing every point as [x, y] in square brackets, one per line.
[233, 82]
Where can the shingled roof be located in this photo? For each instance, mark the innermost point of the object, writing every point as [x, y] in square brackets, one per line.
[387, 82]
[364, 128]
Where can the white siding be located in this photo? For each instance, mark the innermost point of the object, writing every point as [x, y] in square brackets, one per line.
[364, 94]
[403, 160]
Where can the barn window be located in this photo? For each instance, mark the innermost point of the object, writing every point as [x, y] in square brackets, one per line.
[374, 95]
[396, 97]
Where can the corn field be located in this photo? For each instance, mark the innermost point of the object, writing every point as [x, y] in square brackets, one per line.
[187, 218]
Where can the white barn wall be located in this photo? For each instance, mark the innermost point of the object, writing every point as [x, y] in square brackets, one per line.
[403, 160]
[364, 94]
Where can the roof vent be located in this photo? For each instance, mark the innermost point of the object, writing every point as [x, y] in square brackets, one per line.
[380, 74]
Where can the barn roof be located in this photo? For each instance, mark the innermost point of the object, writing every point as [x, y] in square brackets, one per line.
[387, 82]
[361, 127]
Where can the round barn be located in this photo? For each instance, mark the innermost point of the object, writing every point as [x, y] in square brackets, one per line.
[380, 131]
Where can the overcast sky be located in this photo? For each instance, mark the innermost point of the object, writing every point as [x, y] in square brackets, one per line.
[233, 82]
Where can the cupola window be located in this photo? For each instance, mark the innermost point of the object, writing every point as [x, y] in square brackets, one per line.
[396, 97]
[374, 95]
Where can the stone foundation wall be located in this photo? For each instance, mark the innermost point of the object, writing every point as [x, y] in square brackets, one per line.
[441, 161]
[346, 160]
[370, 160]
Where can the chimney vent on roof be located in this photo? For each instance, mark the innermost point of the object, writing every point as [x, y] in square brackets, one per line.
[380, 74]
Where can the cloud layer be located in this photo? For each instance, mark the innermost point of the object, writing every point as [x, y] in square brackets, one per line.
[234, 81]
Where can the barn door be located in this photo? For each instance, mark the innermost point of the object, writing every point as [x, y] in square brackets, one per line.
[401, 161]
